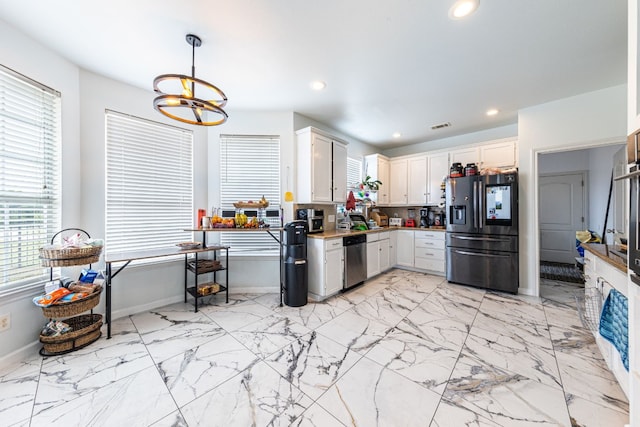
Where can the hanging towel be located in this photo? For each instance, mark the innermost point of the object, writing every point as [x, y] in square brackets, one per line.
[614, 324]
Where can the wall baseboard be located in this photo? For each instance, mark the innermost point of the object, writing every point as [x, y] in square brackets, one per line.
[21, 354]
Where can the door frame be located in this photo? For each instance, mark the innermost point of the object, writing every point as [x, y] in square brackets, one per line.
[534, 272]
[585, 194]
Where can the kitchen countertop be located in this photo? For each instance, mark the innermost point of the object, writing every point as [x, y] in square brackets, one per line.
[332, 234]
[609, 254]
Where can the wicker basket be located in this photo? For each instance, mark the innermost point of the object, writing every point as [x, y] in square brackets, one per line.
[70, 256]
[68, 262]
[71, 308]
[85, 329]
[70, 253]
[205, 266]
[255, 205]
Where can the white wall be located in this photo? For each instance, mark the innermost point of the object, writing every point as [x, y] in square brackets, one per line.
[136, 288]
[56, 72]
[583, 121]
[508, 131]
[253, 274]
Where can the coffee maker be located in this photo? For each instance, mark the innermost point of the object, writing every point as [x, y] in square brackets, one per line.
[424, 218]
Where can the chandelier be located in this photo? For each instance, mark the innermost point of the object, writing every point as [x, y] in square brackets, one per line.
[177, 95]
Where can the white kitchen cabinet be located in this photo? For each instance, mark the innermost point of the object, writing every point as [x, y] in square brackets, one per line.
[417, 180]
[429, 251]
[377, 253]
[325, 261]
[498, 155]
[398, 190]
[393, 243]
[377, 167]
[464, 156]
[437, 170]
[321, 167]
[373, 255]
[404, 248]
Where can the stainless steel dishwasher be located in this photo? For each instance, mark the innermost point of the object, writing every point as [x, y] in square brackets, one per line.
[355, 260]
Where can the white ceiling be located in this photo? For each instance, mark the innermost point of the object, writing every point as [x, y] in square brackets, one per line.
[398, 65]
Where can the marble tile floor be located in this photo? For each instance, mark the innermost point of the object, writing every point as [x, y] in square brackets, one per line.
[404, 349]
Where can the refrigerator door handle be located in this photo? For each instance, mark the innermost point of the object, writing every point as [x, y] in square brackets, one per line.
[484, 255]
[474, 200]
[480, 197]
[484, 239]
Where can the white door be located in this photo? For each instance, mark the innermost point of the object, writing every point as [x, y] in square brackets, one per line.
[417, 181]
[384, 255]
[373, 258]
[404, 248]
[321, 185]
[333, 270]
[398, 182]
[339, 169]
[438, 170]
[383, 176]
[562, 213]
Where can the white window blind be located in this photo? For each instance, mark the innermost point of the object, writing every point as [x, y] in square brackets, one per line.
[149, 184]
[354, 172]
[250, 169]
[29, 176]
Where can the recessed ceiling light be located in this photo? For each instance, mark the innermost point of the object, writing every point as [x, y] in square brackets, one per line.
[396, 135]
[463, 8]
[318, 85]
[492, 112]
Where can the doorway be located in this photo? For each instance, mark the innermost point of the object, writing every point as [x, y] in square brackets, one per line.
[563, 204]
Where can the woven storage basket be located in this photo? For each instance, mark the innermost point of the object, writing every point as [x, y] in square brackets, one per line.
[70, 256]
[68, 262]
[85, 329]
[205, 266]
[70, 253]
[71, 308]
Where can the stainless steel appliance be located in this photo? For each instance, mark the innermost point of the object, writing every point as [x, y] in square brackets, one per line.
[633, 247]
[355, 259]
[482, 231]
[424, 218]
[313, 217]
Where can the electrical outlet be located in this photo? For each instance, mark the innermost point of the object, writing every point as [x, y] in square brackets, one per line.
[5, 322]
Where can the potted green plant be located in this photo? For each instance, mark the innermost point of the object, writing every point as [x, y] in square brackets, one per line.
[369, 184]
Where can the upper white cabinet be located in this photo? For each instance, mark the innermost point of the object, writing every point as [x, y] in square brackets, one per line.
[377, 166]
[464, 155]
[398, 190]
[438, 169]
[322, 167]
[417, 180]
[498, 155]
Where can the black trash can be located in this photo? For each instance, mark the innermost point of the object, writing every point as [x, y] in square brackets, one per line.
[296, 283]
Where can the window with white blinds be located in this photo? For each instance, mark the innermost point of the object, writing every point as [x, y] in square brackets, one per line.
[149, 184]
[354, 172]
[29, 176]
[250, 169]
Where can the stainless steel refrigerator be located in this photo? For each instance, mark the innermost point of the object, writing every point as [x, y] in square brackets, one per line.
[482, 231]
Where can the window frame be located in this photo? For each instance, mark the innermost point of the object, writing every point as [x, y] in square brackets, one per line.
[175, 162]
[25, 126]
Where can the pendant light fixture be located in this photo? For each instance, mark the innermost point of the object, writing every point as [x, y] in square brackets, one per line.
[177, 95]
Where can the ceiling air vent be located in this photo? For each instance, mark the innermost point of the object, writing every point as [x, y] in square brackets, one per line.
[441, 125]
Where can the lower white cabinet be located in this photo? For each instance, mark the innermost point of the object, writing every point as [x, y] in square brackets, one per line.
[393, 244]
[325, 259]
[404, 248]
[429, 251]
[377, 253]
